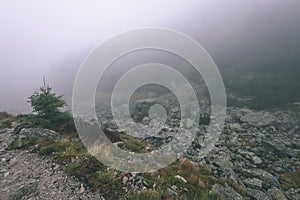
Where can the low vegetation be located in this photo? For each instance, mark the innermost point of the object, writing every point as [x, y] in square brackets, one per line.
[291, 180]
[6, 120]
[71, 153]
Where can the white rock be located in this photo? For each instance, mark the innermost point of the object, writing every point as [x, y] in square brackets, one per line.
[180, 178]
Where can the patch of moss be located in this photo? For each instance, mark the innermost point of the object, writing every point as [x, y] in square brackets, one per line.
[133, 144]
[49, 149]
[29, 142]
[12, 145]
[73, 169]
[149, 194]
[6, 122]
[291, 180]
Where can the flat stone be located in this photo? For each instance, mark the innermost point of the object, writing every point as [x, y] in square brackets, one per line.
[253, 183]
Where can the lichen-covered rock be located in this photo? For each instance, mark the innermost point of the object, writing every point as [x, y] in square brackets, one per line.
[226, 192]
[20, 126]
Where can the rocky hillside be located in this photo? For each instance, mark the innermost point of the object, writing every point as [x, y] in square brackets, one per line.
[257, 157]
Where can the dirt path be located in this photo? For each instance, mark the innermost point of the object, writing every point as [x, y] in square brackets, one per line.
[26, 175]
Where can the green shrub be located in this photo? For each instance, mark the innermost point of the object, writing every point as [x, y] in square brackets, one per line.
[73, 169]
[47, 108]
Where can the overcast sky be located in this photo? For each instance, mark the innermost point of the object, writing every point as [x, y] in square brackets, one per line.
[52, 37]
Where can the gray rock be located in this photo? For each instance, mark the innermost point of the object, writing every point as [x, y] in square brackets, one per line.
[256, 194]
[236, 127]
[4, 130]
[277, 194]
[293, 194]
[125, 180]
[268, 179]
[39, 132]
[253, 183]
[226, 192]
[278, 148]
[171, 192]
[34, 133]
[2, 170]
[181, 178]
[256, 160]
[19, 127]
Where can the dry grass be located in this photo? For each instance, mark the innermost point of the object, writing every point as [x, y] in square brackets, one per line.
[291, 180]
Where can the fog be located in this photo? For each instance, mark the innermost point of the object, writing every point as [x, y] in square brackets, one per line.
[52, 38]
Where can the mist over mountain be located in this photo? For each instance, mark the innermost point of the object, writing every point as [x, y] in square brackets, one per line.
[246, 39]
